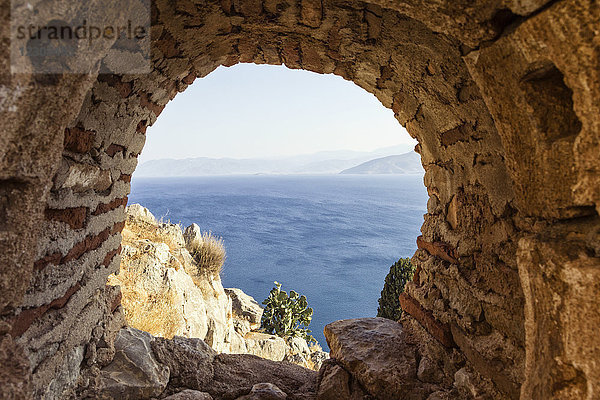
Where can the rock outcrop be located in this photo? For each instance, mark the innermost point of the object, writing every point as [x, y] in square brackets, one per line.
[164, 295]
[181, 368]
[374, 358]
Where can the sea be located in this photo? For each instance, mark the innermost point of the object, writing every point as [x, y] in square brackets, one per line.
[331, 238]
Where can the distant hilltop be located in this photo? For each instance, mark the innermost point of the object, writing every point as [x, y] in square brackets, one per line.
[389, 160]
[403, 164]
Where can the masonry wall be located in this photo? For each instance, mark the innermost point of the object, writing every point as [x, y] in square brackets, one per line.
[505, 113]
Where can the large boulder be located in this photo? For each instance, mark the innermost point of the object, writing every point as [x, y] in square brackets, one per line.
[134, 372]
[266, 346]
[374, 351]
[189, 360]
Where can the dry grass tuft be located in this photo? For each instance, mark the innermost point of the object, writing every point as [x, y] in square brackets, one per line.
[209, 255]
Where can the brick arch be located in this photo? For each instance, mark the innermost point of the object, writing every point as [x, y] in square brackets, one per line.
[466, 304]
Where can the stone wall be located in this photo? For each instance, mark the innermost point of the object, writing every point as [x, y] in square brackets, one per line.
[502, 96]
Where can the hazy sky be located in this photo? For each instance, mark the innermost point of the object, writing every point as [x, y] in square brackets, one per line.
[260, 111]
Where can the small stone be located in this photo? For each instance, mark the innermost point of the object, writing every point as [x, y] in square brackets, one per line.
[265, 391]
[298, 345]
[192, 236]
[463, 381]
[237, 344]
[189, 394]
[82, 177]
[172, 232]
[433, 205]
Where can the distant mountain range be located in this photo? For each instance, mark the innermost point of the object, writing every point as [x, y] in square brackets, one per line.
[408, 163]
[331, 162]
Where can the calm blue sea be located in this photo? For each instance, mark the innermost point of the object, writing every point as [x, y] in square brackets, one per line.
[332, 238]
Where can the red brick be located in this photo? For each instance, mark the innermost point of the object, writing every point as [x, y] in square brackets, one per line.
[461, 133]
[116, 302]
[125, 178]
[438, 330]
[110, 255]
[106, 207]
[437, 249]
[47, 260]
[79, 140]
[92, 242]
[74, 217]
[24, 320]
[142, 126]
[124, 88]
[114, 149]
[168, 45]
[88, 244]
[146, 103]
[190, 78]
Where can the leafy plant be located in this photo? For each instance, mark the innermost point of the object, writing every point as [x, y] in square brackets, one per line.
[286, 315]
[401, 272]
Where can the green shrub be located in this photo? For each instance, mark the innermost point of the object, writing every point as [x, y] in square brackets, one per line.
[286, 315]
[401, 272]
[209, 254]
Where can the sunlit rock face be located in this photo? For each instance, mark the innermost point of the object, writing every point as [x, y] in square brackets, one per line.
[503, 97]
[163, 294]
[159, 295]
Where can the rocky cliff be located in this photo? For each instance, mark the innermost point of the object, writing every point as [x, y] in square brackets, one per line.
[163, 294]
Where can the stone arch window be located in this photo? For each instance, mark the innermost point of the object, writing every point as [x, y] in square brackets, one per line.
[251, 209]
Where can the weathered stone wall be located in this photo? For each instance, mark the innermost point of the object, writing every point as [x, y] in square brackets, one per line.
[502, 96]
